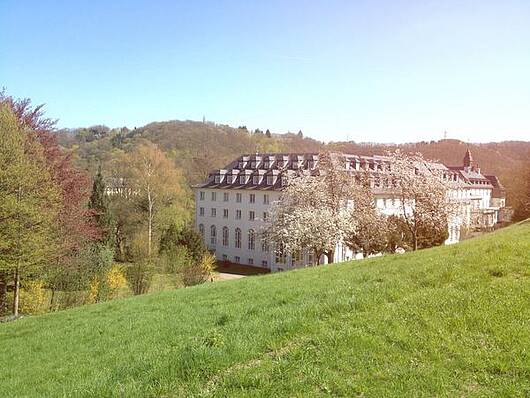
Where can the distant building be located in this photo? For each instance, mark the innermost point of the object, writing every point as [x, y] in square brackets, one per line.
[233, 203]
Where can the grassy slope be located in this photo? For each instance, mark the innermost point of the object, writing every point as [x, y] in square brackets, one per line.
[451, 321]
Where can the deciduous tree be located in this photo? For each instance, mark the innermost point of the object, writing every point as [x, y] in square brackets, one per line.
[422, 193]
[29, 204]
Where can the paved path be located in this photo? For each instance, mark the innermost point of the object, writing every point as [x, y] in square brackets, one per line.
[223, 276]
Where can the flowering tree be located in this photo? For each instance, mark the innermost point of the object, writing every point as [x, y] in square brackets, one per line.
[423, 196]
[366, 230]
[303, 219]
[311, 214]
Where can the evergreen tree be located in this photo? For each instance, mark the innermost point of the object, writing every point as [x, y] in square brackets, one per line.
[98, 203]
[173, 237]
[268, 133]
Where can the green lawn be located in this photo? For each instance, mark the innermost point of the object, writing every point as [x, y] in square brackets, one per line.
[451, 321]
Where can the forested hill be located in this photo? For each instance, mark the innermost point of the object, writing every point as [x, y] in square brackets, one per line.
[198, 147]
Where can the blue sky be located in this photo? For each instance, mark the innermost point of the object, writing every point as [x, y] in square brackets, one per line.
[388, 71]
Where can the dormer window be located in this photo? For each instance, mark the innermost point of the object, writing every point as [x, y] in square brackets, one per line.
[217, 179]
[266, 164]
[270, 180]
[255, 180]
[243, 179]
[284, 181]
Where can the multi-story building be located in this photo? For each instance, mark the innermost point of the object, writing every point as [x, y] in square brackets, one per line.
[233, 203]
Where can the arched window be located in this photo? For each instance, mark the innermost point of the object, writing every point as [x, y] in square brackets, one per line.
[213, 235]
[238, 238]
[251, 240]
[201, 230]
[225, 236]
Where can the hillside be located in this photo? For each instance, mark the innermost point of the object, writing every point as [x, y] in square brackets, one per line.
[449, 321]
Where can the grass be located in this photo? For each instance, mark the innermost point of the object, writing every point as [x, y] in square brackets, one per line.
[450, 321]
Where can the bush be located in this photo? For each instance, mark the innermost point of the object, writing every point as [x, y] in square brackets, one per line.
[33, 297]
[200, 272]
[139, 276]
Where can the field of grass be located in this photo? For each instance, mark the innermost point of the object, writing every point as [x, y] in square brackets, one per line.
[450, 321]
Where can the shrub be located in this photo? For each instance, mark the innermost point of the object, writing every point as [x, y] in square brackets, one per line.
[139, 276]
[33, 297]
[200, 272]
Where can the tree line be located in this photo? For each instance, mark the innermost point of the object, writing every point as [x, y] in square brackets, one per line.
[67, 239]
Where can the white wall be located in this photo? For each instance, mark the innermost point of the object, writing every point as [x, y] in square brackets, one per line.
[245, 224]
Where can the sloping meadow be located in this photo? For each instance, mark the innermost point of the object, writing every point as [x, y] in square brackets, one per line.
[448, 321]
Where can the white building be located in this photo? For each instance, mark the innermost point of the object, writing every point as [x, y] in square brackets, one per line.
[233, 203]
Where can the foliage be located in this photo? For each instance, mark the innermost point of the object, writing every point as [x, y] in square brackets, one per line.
[311, 212]
[98, 203]
[398, 235]
[442, 322]
[152, 183]
[174, 237]
[197, 273]
[139, 276]
[28, 204]
[76, 224]
[302, 220]
[33, 297]
[366, 230]
[423, 197]
[106, 286]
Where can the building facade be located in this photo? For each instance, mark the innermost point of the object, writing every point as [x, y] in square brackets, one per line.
[234, 202]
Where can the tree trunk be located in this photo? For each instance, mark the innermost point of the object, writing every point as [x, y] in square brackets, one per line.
[3, 293]
[150, 223]
[415, 241]
[52, 298]
[318, 255]
[16, 292]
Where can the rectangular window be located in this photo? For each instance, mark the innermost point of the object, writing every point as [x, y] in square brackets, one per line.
[250, 261]
[251, 215]
[214, 212]
[214, 196]
[226, 196]
[201, 195]
[266, 199]
[238, 214]
[252, 198]
[238, 197]
[237, 259]
[225, 257]
[201, 211]
[225, 213]
[265, 215]
[264, 246]
[264, 263]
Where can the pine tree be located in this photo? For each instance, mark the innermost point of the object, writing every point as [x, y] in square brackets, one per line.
[98, 203]
[268, 133]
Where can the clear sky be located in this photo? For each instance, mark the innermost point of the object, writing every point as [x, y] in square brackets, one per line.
[387, 71]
